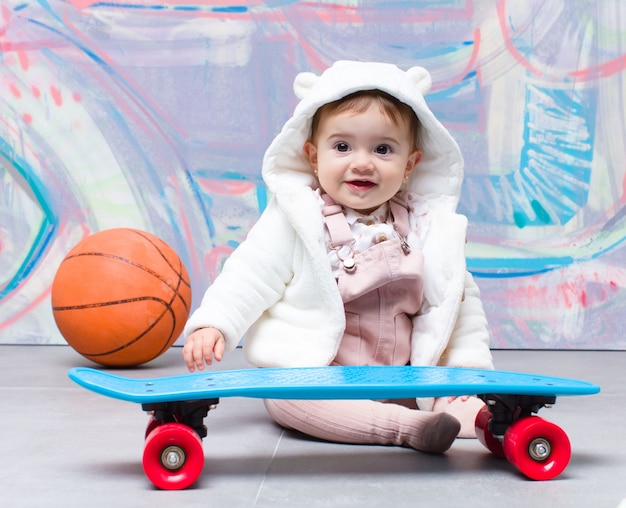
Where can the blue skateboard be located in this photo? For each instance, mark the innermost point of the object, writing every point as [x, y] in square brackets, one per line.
[173, 456]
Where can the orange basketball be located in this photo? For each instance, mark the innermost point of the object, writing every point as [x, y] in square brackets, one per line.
[121, 297]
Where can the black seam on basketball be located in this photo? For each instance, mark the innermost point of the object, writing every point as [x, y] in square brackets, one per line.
[130, 262]
[178, 272]
[149, 240]
[177, 294]
[175, 288]
[166, 309]
[113, 302]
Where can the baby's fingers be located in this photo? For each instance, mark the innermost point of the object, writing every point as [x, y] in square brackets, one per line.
[188, 356]
[206, 354]
[219, 349]
[464, 398]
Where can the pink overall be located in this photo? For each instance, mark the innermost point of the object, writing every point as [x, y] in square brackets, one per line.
[382, 290]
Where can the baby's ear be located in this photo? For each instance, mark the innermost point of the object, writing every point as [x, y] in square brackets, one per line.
[303, 83]
[421, 78]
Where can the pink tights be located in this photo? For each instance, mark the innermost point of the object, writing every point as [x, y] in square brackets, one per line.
[367, 422]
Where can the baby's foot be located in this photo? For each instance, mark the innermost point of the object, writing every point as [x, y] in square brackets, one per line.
[464, 409]
[439, 433]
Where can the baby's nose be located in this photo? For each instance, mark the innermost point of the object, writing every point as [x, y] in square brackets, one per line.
[362, 161]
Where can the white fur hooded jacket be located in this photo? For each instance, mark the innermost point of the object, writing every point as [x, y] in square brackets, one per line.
[277, 288]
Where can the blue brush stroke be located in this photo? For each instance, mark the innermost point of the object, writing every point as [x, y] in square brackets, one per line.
[501, 268]
[47, 228]
[116, 117]
[236, 9]
[554, 173]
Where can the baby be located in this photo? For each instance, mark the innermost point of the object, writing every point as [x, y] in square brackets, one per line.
[357, 260]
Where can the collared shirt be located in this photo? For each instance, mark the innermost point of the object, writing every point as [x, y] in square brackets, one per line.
[367, 230]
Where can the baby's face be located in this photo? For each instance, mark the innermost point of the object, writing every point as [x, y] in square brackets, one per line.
[361, 159]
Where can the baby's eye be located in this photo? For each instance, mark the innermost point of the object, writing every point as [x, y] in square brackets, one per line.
[342, 147]
[383, 149]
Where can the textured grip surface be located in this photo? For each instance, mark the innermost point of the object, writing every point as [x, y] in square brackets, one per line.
[327, 383]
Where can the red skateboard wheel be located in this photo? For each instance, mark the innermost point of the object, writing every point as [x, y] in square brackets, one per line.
[173, 457]
[539, 449]
[153, 423]
[484, 435]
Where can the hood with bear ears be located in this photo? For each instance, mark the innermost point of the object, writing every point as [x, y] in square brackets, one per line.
[439, 174]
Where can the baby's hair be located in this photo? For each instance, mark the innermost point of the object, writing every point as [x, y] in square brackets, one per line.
[397, 111]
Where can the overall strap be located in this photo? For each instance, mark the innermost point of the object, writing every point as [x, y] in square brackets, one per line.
[339, 229]
[400, 215]
[336, 223]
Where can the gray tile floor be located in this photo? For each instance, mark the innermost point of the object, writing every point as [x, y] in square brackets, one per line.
[65, 446]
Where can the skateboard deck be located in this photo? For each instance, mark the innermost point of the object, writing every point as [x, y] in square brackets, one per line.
[327, 383]
[173, 456]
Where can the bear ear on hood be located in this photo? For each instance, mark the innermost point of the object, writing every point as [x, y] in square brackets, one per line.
[421, 78]
[303, 83]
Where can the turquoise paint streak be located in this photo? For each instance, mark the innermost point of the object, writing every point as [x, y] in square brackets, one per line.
[47, 229]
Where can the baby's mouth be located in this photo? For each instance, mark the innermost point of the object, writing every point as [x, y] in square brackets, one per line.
[361, 184]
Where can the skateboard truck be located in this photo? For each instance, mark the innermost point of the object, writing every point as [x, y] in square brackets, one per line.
[508, 428]
[506, 409]
[190, 413]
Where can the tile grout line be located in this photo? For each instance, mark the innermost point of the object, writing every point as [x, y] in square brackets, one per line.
[258, 493]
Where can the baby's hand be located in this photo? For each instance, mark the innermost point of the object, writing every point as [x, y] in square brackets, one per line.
[463, 409]
[201, 346]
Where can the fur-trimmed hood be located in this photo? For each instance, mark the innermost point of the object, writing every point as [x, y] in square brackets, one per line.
[439, 174]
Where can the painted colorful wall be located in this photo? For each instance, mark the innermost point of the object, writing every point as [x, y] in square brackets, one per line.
[155, 115]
